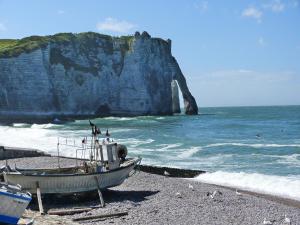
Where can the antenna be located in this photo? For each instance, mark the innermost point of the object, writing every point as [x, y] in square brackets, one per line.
[58, 153]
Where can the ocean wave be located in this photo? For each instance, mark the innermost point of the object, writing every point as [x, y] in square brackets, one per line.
[133, 142]
[212, 161]
[287, 187]
[189, 152]
[43, 126]
[20, 124]
[42, 139]
[253, 145]
[293, 160]
[119, 118]
[117, 130]
[164, 147]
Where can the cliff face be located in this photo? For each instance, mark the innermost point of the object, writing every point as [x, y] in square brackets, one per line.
[90, 74]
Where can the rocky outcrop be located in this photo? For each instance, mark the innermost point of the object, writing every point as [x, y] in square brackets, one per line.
[90, 74]
[190, 104]
[175, 97]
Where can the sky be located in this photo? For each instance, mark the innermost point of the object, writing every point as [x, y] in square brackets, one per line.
[232, 53]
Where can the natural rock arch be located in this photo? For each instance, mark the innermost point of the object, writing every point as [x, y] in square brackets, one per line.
[190, 105]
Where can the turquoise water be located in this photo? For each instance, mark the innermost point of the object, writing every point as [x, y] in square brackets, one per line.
[258, 144]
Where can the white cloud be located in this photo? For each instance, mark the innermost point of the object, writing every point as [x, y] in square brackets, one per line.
[2, 27]
[201, 6]
[244, 71]
[253, 12]
[60, 11]
[115, 25]
[275, 6]
[261, 41]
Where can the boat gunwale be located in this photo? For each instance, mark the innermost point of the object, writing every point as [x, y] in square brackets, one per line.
[23, 196]
[133, 163]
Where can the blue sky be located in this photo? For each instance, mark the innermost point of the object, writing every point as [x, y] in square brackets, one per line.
[231, 52]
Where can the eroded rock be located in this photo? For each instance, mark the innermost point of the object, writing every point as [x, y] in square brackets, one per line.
[90, 74]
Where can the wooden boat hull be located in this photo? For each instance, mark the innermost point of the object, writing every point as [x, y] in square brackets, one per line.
[70, 183]
[12, 206]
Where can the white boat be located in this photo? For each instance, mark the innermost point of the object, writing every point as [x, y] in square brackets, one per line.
[52, 182]
[107, 167]
[13, 203]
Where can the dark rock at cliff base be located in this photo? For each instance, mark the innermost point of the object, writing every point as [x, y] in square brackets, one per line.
[89, 74]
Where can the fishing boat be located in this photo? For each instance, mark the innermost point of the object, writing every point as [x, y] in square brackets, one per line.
[13, 202]
[106, 166]
[54, 181]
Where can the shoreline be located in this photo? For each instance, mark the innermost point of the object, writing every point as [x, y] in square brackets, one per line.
[282, 200]
[187, 174]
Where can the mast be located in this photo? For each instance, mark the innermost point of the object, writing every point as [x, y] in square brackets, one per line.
[58, 153]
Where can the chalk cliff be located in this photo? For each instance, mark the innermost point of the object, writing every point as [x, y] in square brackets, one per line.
[89, 74]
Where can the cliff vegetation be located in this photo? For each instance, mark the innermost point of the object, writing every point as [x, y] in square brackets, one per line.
[14, 47]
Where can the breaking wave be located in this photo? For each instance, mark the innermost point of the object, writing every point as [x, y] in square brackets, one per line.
[43, 126]
[293, 159]
[287, 187]
[164, 147]
[20, 124]
[133, 142]
[189, 152]
[120, 118]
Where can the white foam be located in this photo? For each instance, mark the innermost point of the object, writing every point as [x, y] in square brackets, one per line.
[38, 137]
[119, 118]
[133, 142]
[42, 126]
[19, 124]
[253, 145]
[164, 147]
[288, 187]
[42, 139]
[293, 160]
[189, 152]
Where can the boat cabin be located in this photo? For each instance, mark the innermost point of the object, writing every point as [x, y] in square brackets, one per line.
[108, 155]
[104, 155]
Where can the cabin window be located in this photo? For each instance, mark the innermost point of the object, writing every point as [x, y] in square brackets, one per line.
[114, 154]
[104, 149]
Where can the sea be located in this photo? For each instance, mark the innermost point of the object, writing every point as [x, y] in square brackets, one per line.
[249, 148]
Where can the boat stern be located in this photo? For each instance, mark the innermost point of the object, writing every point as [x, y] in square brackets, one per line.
[12, 205]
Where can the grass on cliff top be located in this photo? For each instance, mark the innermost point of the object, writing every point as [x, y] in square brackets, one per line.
[15, 47]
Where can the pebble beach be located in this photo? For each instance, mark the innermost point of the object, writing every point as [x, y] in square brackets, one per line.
[156, 199]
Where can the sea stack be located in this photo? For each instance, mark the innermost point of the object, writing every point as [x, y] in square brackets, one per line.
[175, 97]
[90, 74]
